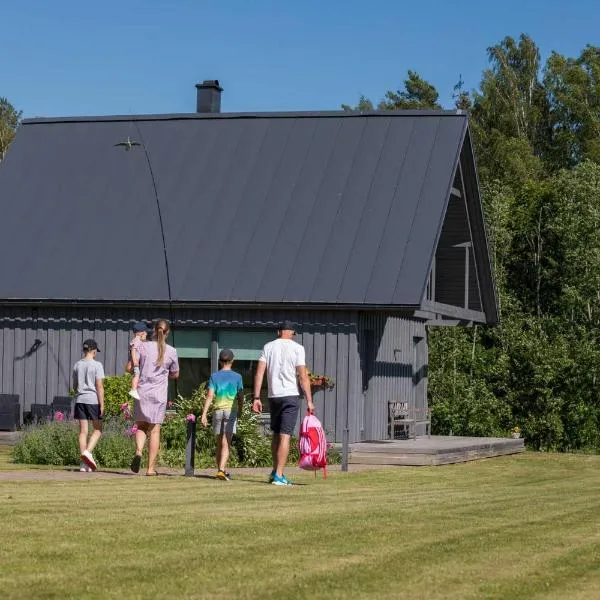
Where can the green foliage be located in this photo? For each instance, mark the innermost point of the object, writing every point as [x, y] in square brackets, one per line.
[192, 405]
[53, 443]
[9, 122]
[116, 393]
[56, 443]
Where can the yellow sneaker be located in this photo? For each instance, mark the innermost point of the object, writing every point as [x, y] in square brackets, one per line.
[222, 475]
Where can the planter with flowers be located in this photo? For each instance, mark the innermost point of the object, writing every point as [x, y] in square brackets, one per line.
[320, 382]
[515, 432]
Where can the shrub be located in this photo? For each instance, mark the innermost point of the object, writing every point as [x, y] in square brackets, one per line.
[116, 393]
[56, 443]
[52, 443]
[115, 448]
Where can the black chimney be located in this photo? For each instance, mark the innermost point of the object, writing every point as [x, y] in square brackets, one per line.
[209, 96]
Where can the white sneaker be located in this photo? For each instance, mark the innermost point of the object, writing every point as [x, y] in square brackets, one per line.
[83, 468]
[134, 394]
[88, 459]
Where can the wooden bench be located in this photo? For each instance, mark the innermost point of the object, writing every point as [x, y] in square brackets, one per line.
[408, 418]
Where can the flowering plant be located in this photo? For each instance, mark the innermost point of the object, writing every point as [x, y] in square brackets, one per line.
[59, 416]
[516, 429]
[191, 418]
[321, 381]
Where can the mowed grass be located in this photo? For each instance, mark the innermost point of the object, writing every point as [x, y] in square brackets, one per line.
[516, 527]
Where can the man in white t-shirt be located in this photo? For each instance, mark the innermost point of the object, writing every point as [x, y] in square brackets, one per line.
[284, 361]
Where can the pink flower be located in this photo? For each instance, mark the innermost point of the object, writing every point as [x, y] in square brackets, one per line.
[58, 416]
[131, 430]
[191, 418]
[170, 404]
[124, 407]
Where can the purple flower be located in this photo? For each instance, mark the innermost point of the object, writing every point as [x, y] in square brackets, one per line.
[58, 416]
[131, 430]
[191, 418]
[124, 407]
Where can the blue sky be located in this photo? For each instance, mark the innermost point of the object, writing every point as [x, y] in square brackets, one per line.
[67, 57]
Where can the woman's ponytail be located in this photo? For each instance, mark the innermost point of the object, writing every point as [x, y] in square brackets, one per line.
[161, 331]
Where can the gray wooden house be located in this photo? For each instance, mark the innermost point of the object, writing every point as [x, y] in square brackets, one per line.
[364, 228]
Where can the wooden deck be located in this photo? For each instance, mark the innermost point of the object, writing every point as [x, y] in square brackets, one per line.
[434, 450]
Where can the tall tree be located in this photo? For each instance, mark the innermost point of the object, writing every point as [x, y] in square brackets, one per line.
[9, 121]
[573, 87]
[512, 99]
[417, 93]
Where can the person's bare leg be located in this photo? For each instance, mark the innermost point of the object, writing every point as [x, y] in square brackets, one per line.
[283, 451]
[83, 433]
[153, 445]
[225, 442]
[275, 449]
[96, 434]
[219, 450]
[140, 437]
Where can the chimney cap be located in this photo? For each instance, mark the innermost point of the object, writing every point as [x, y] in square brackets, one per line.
[209, 84]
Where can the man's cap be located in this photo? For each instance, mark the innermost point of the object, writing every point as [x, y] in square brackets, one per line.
[226, 355]
[140, 326]
[90, 345]
[287, 326]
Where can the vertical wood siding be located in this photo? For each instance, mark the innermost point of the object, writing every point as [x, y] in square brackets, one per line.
[331, 340]
[399, 371]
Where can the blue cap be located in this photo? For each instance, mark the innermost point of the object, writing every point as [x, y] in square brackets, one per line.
[140, 326]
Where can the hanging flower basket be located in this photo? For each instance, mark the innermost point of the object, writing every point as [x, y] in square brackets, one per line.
[321, 382]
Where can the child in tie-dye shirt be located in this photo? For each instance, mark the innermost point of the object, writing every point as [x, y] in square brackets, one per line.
[225, 387]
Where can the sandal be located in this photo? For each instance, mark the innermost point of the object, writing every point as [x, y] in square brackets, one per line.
[135, 463]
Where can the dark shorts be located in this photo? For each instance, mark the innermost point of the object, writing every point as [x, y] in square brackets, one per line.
[284, 414]
[89, 412]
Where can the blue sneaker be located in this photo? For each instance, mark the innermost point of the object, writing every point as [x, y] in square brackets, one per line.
[280, 480]
[271, 476]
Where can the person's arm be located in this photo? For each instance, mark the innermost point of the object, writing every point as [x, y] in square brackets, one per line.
[174, 368]
[240, 396]
[135, 357]
[258, 379]
[302, 373]
[209, 398]
[100, 393]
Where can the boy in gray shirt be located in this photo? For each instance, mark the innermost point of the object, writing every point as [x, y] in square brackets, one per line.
[88, 376]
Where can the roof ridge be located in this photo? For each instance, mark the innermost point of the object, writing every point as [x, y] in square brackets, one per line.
[249, 115]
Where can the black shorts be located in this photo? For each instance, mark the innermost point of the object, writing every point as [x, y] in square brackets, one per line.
[284, 414]
[89, 412]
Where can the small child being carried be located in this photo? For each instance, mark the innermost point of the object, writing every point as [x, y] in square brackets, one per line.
[140, 332]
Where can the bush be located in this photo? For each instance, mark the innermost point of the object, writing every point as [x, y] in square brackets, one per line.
[52, 443]
[56, 443]
[116, 393]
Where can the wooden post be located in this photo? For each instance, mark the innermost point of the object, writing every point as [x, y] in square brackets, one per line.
[190, 449]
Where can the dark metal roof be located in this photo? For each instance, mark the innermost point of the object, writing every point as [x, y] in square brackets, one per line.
[334, 208]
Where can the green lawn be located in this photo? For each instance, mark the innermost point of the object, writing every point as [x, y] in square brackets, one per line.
[517, 527]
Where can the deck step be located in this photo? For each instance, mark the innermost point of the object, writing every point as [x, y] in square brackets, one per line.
[435, 450]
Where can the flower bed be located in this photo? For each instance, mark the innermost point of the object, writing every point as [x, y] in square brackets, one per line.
[55, 443]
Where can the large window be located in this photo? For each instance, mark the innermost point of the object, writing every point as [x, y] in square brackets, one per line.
[198, 350]
[193, 347]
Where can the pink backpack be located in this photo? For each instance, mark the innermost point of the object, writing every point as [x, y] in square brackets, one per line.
[313, 445]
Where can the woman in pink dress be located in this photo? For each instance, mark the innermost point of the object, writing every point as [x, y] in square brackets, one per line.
[158, 364]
